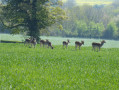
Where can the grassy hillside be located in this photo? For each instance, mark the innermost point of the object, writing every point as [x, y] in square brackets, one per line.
[23, 68]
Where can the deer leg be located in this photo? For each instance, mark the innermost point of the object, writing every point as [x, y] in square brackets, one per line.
[42, 45]
[92, 48]
[79, 47]
[31, 44]
[66, 46]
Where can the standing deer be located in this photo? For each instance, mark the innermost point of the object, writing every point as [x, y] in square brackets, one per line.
[46, 43]
[77, 43]
[65, 43]
[97, 45]
[33, 42]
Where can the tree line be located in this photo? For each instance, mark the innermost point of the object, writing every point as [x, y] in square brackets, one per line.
[87, 21]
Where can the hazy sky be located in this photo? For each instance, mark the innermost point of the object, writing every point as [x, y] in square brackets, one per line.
[64, 0]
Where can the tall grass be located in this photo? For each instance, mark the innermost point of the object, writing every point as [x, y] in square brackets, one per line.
[24, 68]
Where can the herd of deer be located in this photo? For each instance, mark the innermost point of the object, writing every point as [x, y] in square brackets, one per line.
[47, 43]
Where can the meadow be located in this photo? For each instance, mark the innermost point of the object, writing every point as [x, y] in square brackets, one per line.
[24, 68]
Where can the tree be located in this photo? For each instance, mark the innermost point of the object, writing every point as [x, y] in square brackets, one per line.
[31, 15]
[111, 31]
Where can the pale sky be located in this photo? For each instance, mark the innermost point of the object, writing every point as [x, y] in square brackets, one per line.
[64, 0]
[92, 2]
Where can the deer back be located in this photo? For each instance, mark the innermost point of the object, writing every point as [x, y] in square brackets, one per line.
[42, 41]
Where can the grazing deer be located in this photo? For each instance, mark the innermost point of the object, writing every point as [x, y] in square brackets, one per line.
[46, 43]
[49, 44]
[65, 43]
[33, 42]
[97, 45]
[77, 43]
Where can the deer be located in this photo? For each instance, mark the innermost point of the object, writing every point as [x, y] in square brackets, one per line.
[65, 43]
[77, 43]
[42, 42]
[97, 45]
[46, 43]
[33, 42]
[49, 44]
[27, 41]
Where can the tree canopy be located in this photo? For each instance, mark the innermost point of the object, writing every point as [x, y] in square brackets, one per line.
[31, 15]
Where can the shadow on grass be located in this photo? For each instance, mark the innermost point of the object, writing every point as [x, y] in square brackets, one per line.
[2, 41]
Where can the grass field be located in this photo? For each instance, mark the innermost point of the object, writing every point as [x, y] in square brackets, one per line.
[24, 68]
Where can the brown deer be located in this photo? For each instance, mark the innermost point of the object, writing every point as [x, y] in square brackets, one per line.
[49, 44]
[27, 41]
[97, 45]
[42, 42]
[77, 43]
[46, 43]
[33, 42]
[65, 43]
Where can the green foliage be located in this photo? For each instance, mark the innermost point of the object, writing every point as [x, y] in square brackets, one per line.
[91, 21]
[111, 30]
[24, 68]
[32, 15]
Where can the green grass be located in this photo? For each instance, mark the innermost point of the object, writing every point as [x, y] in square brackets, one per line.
[24, 68]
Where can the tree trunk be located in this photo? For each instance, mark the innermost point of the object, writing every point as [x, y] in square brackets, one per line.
[33, 30]
[33, 23]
